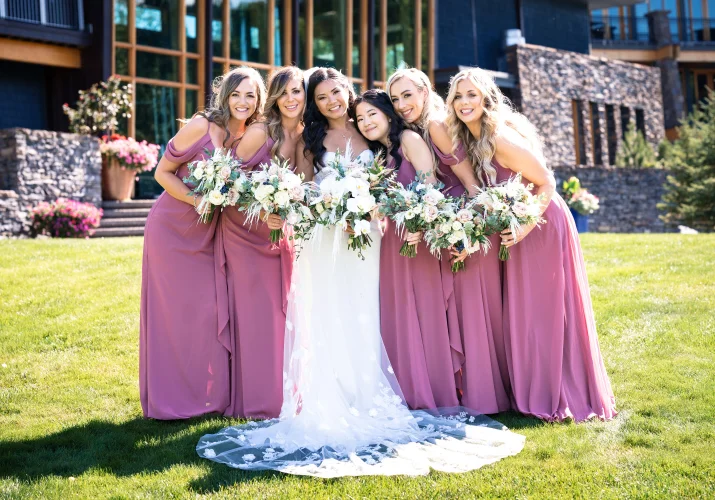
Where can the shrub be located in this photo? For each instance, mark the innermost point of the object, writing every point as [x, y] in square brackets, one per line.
[131, 154]
[98, 109]
[690, 189]
[65, 219]
[635, 150]
[579, 198]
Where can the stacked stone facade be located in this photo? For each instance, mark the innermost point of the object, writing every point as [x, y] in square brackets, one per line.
[38, 165]
[552, 83]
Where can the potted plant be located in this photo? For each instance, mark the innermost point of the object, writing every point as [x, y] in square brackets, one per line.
[124, 157]
[580, 202]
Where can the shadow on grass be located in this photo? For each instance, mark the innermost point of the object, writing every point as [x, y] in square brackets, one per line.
[139, 446]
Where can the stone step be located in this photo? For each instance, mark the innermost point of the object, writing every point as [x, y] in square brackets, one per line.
[123, 222]
[110, 232]
[123, 213]
[128, 204]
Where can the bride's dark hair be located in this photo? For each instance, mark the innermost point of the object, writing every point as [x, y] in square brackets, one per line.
[316, 125]
[380, 99]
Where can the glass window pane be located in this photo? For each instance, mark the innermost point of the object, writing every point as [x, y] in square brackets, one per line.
[121, 21]
[357, 26]
[400, 35]
[614, 23]
[217, 69]
[376, 58]
[329, 33]
[217, 27]
[192, 70]
[121, 61]
[192, 103]
[157, 23]
[278, 34]
[157, 66]
[191, 25]
[155, 113]
[249, 35]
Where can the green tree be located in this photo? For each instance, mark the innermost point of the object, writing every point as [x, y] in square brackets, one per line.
[98, 109]
[635, 150]
[690, 189]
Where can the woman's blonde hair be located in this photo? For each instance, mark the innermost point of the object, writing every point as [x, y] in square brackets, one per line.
[497, 112]
[433, 109]
[218, 110]
[276, 86]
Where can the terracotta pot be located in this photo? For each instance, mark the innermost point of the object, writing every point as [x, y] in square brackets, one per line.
[117, 183]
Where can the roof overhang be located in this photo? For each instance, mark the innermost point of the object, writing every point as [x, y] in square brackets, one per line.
[605, 4]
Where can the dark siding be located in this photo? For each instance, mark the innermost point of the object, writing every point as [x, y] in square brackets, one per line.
[493, 19]
[23, 99]
[454, 40]
[560, 24]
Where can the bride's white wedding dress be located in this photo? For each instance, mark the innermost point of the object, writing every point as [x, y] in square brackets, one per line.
[343, 413]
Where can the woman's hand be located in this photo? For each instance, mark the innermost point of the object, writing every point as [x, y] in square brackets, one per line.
[274, 222]
[349, 229]
[458, 256]
[413, 238]
[509, 240]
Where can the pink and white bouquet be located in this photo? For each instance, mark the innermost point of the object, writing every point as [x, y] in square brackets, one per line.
[219, 180]
[415, 208]
[461, 228]
[508, 206]
[131, 154]
[275, 189]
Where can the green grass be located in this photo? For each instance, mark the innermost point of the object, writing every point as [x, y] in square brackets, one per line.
[71, 425]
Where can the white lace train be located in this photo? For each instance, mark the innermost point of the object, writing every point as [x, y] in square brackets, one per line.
[343, 413]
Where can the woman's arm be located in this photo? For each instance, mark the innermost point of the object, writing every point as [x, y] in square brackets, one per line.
[463, 170]
[303, 161]
[418, 153]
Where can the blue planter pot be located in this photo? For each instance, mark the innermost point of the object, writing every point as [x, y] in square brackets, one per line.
[580, 220]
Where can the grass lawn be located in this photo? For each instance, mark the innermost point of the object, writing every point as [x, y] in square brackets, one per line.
[71, 425]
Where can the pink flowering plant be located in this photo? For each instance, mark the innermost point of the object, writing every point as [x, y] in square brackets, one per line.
[579, 198]
[65, 218]
[99, 109]
[130, 153]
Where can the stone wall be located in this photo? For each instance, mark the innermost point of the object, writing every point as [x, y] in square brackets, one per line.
[628, 197]
[557, 87]
[38, 165]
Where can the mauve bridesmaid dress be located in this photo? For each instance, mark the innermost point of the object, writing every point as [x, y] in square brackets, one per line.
[552, 351]
[413, 318]
[252, 279]
[183, 365]
[477, 297]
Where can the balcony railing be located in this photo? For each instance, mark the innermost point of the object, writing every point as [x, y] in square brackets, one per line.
[634, 31]
[67, 14]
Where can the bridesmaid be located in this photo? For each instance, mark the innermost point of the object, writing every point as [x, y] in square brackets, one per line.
[474, 303]
[553, 358]
[183, 364]
[253, 274]
[412, 309]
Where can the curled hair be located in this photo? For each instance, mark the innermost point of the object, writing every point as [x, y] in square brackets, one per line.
[218, 111]
[276, 86]
[316, 125]
[497, 113]
[381, 100]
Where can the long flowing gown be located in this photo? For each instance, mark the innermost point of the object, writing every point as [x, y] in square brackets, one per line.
[477, 297]
[413, 317]
[554, 361]
[183, 367]
[343, 413]
[252, 282]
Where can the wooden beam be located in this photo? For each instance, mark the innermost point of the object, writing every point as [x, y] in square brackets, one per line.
[309, 33]
[430, 39]
[696, 56]
[364, 33]
[40, 53]
[349, 38]
[132, 6]
[383, 40]
[418, 34]
[226, 31]
[181, 101]
[271, 31]
[287, 31]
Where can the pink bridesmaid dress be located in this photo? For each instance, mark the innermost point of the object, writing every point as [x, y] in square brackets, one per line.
[552, 351]
[413, 318]
[183, 365]
[484, 379]
[252, 280]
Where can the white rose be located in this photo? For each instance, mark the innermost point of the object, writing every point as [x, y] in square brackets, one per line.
[362, 227]
[209, 168]
[430, 213]
[456, 226]
[294, 218]
[198, 172]
[464, 216]
[282, 198]
[445, 228]
[410, 214]
[216, 198]
[455, 237]
[433, 197]
[263, 191]
[259, 176]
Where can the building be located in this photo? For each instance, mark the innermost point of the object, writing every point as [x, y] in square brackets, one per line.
[172, 49]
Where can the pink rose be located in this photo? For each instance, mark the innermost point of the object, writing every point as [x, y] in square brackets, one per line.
[520, 209]
[225, 172]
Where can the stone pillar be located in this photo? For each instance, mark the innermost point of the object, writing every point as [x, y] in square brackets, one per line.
[673, 100]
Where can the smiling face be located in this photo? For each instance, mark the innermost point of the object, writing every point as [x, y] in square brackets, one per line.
[407, 99]
[372, 123]
[243, 100]
[468, 101]
[331, 98]
[292, 101]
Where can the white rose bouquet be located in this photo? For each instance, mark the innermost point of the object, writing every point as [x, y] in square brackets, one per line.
[416, 208]
[275, 189]
[218, 179]
[460, 227]
[508, 206]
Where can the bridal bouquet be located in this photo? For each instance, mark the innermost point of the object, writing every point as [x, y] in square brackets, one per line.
[415, 208]
[460, 227]
[348, 197]
[508, 206]
[275, 189]
[218, 179]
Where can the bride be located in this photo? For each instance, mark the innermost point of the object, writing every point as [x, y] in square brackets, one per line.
[343, 413]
